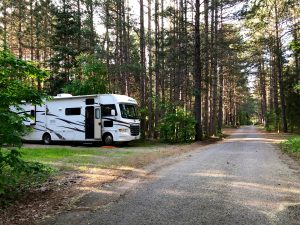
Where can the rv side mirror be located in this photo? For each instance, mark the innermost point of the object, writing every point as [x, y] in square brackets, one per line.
[113, 112]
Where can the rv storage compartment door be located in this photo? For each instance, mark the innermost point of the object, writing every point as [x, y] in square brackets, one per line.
[97, 122]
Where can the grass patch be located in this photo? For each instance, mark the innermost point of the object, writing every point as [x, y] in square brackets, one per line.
[83, 158]
[74, 158]
[78, 158]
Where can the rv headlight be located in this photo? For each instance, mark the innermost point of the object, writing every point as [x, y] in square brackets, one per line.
[123, 130]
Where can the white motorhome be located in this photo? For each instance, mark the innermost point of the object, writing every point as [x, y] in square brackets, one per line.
[86, 118]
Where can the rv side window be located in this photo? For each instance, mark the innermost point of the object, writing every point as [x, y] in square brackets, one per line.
[106, 109]
[72, 111]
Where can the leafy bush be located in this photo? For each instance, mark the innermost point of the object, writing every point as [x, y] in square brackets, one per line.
[18, 80]
[292, 145]
[16, 175]
[178, 126]
[16, 76]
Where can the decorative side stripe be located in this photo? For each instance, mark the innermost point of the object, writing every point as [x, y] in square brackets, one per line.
[76, 129]
[115, 120]
[57, 134]
[68, 121]
[64, 120]
[122, 125]
[38, 129]
[80, 123]
[29, 111]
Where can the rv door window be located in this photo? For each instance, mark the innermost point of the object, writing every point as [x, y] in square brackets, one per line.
[106, 109]
[97, 113]
[73, 111]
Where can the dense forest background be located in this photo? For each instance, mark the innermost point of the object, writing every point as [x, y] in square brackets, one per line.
[202, 64]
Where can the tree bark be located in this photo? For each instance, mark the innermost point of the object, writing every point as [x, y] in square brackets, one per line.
[150, 94]
[5, 44]
[206, 69]
[214, 72]
[221, 78]
[143, 66]
[157, 71]
[280, 73]
[197, 74]
[262, 81]
[20, 33]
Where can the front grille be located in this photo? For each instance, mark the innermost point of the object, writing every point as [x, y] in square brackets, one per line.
[135, 130]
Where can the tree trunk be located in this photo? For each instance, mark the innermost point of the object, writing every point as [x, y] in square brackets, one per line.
[206, 69]
[161, 57]
[5, 44]
[107, 55]
[197, 74]
[37, 46]
[157, 72]
[143, 66]
[31, 30]
[271, 81]
[79, 24]
[296, 54]
[150, 100]
[221, 78]
[262, 80]
[221, 93]
[20, 33]
[214, 73]
[275, 88]
[280, 73]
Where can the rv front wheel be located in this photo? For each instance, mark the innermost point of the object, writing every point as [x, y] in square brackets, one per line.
[108, 139]
[47, 139]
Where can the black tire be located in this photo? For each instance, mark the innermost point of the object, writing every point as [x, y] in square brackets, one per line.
[108, 139]
[47, 139]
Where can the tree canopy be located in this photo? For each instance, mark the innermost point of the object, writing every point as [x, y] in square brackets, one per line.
[222, 62]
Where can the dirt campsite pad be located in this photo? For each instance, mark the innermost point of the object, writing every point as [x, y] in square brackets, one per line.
[84, 171]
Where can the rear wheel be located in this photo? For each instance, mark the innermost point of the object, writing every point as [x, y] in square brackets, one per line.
[47, 139]
[108, 139]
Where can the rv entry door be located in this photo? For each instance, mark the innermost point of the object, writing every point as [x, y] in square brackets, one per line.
[97, 122]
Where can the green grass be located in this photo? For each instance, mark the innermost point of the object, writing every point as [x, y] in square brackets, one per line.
[292, 145]
[49, 154]
[75, 157]
[83, 158]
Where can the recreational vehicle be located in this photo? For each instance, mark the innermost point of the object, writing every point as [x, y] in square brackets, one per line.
[88, 118]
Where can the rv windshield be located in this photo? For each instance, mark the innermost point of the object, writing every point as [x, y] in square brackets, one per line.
[128, 111]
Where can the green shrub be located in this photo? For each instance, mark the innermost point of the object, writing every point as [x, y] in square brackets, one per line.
[177, 126]
[16, 175]
[18, 80]
[292, 145]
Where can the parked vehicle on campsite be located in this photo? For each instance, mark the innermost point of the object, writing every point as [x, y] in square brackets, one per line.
[87, 118]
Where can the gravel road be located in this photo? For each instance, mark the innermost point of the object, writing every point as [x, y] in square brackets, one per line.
[243, 180]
